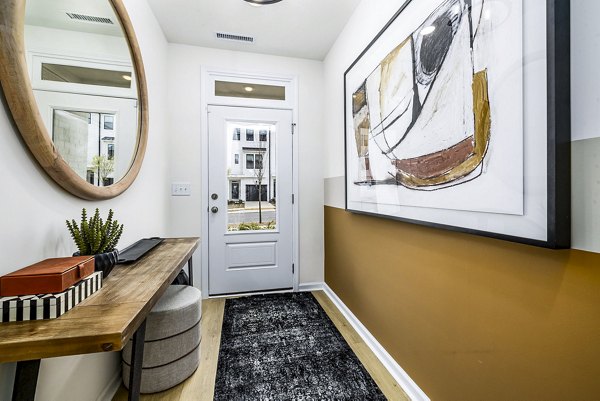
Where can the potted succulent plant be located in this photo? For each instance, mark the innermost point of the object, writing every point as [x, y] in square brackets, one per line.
[97, 237]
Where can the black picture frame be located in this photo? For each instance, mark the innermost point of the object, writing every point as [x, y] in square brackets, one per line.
[558, 134]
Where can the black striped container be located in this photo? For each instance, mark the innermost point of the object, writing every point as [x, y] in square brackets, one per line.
[48, 306]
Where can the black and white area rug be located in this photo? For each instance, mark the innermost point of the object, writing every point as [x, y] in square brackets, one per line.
[284, 347]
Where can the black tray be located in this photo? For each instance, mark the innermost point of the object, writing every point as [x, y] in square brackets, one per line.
[138, 249]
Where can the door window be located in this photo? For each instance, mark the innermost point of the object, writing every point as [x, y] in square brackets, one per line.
[253, 203]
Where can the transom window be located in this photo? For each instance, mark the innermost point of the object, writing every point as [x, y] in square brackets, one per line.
[249, 90]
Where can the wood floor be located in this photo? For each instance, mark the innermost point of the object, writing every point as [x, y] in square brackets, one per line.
[200, 387]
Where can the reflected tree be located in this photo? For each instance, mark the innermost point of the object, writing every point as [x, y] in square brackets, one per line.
[104, 166]
[259, 173]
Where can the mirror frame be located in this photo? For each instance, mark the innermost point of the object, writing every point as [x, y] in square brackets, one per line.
[15, 81]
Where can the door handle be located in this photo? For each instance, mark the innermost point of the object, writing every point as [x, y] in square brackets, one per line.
[214, 209]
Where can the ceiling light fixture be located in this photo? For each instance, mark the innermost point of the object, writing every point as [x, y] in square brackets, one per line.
[248, 88]
[127, 77]
[261, 2]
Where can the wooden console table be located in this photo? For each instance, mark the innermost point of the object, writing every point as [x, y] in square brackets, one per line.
[104, 322]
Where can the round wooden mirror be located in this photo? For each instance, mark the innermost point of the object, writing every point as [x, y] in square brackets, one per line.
[73, 78]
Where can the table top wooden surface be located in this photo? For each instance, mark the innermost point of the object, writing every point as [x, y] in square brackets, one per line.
[106, 320]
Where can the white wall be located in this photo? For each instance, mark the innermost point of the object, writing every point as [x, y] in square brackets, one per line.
[585, 55]
[185, 118]
[362, 27]
[84, 45]
[585, 125]
[34, 209]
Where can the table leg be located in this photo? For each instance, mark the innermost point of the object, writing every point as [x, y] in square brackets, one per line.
[26, 380]
[191, 271]
[137, 359]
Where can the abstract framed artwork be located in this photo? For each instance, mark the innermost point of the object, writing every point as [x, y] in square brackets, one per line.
[457, 116]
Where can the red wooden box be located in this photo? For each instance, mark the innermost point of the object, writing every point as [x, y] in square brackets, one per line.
[47, 277]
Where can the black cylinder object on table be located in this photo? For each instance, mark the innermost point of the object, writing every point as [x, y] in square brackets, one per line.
[104, 262]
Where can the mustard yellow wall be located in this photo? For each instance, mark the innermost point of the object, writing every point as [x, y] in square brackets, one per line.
[467, 317]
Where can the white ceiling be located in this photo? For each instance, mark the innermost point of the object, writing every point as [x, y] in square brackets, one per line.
[52, 14]
[292, 28]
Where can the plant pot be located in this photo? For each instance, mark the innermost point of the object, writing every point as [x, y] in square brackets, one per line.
[104, 261]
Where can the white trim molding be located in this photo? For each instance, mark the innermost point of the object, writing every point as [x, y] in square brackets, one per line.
[402, 378]
[111, 388]
[306, 287]
[249, 294]
[208, 76]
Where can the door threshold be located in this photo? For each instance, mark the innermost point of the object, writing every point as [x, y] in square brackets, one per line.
[247, 293]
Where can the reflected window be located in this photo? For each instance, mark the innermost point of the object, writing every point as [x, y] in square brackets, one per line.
[262, 135]
[252, 193]
[250, 135]
[78, 137]
[236, 158]
[91, 177]
[236, 134]
[250, 162]
[235, 190]
[109, 122]
[254, 161]
[86, 76]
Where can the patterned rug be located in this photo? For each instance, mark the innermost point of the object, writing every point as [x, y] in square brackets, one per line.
[284, 347]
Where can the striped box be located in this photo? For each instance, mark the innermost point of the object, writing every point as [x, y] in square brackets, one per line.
[48, 306]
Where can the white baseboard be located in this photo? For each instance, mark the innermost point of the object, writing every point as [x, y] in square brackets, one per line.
[111, 389]
[304, 287]
[249, 294]
[404, 381]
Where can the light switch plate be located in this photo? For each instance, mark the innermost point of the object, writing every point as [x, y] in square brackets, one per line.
[181, 189]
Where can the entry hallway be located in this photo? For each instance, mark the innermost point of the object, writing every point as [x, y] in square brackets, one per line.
[200, 386]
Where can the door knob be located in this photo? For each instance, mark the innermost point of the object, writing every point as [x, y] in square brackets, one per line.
[214, 196]
[214, 209]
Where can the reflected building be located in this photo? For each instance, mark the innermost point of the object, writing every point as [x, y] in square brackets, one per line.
[251, 163]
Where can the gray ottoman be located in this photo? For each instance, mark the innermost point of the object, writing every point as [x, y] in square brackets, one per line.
[172, 343]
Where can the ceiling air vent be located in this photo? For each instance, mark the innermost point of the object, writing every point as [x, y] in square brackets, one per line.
[234, 37]
[90, 18]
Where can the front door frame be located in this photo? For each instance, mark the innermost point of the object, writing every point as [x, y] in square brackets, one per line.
[208, 77]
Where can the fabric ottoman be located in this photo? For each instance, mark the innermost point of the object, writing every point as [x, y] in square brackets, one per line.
[172, 343]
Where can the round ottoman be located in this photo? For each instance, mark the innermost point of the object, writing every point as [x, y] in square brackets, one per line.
[172, 342]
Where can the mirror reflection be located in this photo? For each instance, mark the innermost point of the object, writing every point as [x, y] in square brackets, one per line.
[83, 80]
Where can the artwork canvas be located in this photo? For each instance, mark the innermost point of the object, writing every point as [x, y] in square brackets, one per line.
[435, 125]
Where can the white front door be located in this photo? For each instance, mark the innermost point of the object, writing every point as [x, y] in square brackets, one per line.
[250, 212]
